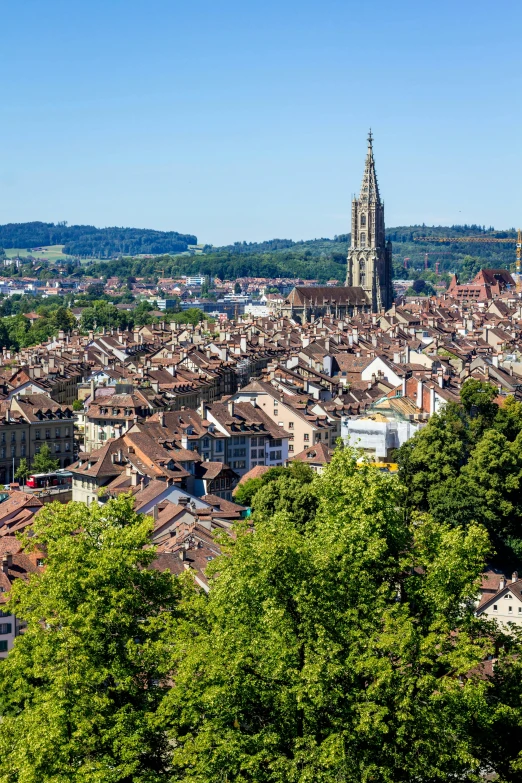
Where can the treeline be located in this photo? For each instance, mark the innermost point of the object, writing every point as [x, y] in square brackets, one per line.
[94, 242]
[338, 640]
[296, 262]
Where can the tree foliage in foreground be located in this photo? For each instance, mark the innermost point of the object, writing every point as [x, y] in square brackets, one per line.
[323, 653]
[80, 691]
[338, 644]
[465, 467]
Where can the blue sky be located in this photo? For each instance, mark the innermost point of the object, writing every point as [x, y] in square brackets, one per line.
[248, 121]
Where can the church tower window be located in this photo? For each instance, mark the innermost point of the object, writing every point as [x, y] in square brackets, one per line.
[362, 273]
[363, 239]
[363, 220]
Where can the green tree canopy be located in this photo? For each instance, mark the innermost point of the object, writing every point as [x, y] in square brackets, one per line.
[43, 462]
[80, 691]
[341, 648]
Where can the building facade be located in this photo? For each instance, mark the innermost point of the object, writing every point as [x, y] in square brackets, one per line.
[369, 255]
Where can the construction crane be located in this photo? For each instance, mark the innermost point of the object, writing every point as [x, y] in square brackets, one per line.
[483, 240]
[487, 240]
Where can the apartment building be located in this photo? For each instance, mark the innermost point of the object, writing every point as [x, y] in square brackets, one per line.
[292, 414]
[26, 423]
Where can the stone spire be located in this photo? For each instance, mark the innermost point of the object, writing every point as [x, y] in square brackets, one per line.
[370, 187]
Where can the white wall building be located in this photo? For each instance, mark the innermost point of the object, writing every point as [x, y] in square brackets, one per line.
[376, 435]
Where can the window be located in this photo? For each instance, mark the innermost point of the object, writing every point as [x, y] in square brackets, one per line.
[13, 451]
[276, 442]
[253, 441]
[67, 446]
[362, 272]
[23, 450]
[67, 432]
[520, 609]
[57, 447]
[13, 437]
[291, 447]
[510, 609]
[37, 434]
[363, 220]
[3, 437]
[363, 239]
[508, 596]
[307, 436]
[47, 434]
[2, 452]
[40, 561]
[3, 645]
[206, 443]
[290, 425]
[57, 433]
[275, 455]
[5, 628]
[239, 452]
[495, 607]
[219, 445]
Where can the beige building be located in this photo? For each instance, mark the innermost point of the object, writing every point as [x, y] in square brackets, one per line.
[304, 427]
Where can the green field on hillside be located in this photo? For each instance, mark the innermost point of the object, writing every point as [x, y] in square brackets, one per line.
[51, 253]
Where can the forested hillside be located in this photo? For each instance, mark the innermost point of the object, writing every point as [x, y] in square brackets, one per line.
[318, 259]
[92, 241]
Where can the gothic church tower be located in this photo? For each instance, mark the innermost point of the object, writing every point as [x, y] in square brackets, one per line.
[369, 255]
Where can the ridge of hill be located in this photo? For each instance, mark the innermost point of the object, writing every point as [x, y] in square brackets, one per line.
[93, 242]
[117, 252]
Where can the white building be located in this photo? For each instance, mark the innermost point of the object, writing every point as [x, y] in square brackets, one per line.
[376, 435]
[504, 606]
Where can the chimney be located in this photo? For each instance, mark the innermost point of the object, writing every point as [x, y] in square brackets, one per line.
[182, 554]
[155, 513]
[502, 583]
[230, 406]
[184, 441]
[161, 417]
[7, 415]
[419, 394]
[432, 400]
[93, 389]
[7, 562]
[134, 478]
[514, 576]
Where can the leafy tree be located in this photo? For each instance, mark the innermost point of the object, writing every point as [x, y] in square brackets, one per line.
[23, 471]
[341, 649]
[193, 315]
[244, 493]
[237, 288]
[43, 462]
[81, 688]
[77, 405]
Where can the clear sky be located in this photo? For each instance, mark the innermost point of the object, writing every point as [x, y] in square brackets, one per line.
[240, 120]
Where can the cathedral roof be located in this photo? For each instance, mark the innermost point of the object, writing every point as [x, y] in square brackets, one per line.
[322, 295]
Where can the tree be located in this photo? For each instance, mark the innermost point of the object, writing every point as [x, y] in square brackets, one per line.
[23, 471]
[237, 288]
[342, 649]
[77, 405]
[81, 688]
[43, 462]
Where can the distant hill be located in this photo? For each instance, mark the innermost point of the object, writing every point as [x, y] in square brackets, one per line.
[93, 242]
[406, 245]
[117, 251]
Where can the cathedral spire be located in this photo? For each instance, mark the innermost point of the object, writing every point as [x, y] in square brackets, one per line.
[370, 186]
